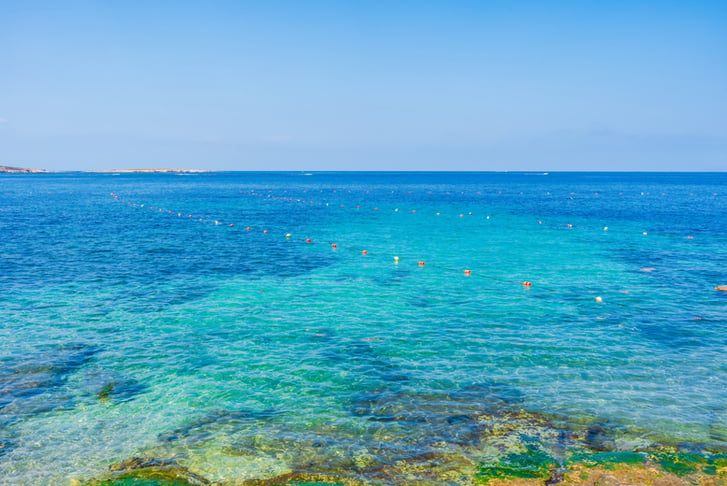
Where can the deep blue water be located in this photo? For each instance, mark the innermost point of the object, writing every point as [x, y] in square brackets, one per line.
[129, 331]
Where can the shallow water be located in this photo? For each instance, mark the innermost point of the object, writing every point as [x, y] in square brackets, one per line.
[129, 331]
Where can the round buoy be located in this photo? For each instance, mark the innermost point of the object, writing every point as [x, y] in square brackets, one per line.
[308, 240]
[644, 233]
[217, 222]
[364, 252]
[690, 237]
[540, 222]
[248, 228]
[265, 232]
[232, 224]
[421, 264]
[396, 259]
[605, 228]
[468, 272]
[569, 225]
[527, 284]
[599, 299]
[438, 214]
[333, 245]
[287, 235]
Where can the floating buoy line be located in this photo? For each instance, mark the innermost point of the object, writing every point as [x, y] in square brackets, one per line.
[466, 272]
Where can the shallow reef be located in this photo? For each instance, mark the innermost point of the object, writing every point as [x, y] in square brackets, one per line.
[476, 436]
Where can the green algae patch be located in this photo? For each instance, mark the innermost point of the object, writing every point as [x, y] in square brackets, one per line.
[719, 461]
[608, 460]
[532, 463]
[681, 464]
[138, 471]
[148, 478]
[133, 480]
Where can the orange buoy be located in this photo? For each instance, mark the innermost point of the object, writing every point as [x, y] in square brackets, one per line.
[527, 284]
[690, 237]
[723, 288]
[308, 240]
[468, 272]
[364, 252]
[333, 245]
[421, 264]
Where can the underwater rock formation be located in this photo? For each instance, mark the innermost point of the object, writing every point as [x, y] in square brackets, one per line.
[32, 386]
[149, 471]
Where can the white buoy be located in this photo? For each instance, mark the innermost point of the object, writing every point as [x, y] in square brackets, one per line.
[396, 259]
[599, 299]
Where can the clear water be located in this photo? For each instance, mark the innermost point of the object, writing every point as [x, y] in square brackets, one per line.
[128, 331]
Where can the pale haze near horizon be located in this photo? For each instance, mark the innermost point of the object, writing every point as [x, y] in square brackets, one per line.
[364, 86]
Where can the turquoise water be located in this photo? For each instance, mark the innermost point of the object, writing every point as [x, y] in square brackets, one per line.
[244, 354]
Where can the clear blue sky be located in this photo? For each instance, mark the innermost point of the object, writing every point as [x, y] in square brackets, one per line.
[367, 85]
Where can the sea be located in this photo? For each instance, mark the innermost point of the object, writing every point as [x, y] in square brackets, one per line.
[372, 327]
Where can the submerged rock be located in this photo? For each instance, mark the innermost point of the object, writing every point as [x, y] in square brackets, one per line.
[530, 462]
[597, 438]
[200, 429]
[148, 472]
[120, 390]
[32, 386]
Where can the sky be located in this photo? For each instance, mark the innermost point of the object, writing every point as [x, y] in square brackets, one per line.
[367, 85]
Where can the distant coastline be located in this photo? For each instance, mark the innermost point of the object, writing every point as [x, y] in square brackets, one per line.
[5, 169]
[19, 170]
